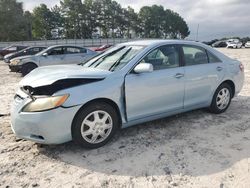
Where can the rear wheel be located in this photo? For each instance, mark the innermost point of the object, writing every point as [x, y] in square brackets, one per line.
[95, 125]
[27, 68]
[221, 99]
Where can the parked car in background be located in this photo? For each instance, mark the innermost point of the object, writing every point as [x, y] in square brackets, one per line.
[247, 45]
[10, 49]
[54, 55]
[210, 43]
[103, 47]
[234, 43]
[129, 84]
[219, 44]
[27, 51]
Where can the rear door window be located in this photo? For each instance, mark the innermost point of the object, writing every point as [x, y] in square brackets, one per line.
[212, 58]
[72, 50]
[57, 51]
[36, 50]
[194, 55]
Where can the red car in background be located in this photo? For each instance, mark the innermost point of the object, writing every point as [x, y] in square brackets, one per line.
[11, 49]
[102, 48]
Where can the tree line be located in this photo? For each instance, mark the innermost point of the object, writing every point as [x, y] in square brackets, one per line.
[87, 19]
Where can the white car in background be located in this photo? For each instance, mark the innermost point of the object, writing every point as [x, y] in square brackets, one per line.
[54, 55]
[247, 45]
[234, 43]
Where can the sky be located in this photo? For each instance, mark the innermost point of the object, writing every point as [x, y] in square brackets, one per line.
[216, 18]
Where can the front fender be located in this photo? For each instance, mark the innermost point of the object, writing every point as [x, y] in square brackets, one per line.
[109, 88]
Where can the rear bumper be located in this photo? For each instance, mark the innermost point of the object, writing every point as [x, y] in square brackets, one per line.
[239, 82]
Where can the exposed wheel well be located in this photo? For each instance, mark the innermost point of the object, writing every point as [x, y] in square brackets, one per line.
[230, 82]
[30, 63]
[105, 100]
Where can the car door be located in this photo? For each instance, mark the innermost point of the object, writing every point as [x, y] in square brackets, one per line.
[203, 72]
[159, 91]
[54, 56]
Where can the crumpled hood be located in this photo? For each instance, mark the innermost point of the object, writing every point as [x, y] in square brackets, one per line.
[49, 74]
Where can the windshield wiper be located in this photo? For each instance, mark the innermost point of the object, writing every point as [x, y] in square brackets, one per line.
[119, 60]
[105, 56]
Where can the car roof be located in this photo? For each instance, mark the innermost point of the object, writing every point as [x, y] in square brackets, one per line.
[64, 46]
[35, 47]
[154, 42]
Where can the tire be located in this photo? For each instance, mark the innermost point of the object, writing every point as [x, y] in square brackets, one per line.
[27, 68]
[221, 99]
[85, 134]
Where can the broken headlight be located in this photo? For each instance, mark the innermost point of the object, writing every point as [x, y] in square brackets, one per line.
[45, 103]
[15, 62]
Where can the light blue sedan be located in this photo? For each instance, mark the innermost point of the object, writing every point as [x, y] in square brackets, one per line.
[131, 83]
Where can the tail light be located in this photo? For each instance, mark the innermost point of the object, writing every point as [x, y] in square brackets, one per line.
[241, 67]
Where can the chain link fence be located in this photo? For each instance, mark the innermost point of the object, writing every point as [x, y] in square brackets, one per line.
[75, 42]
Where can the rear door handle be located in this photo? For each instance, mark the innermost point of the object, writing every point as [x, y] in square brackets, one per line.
[219, 68]
[179, 75]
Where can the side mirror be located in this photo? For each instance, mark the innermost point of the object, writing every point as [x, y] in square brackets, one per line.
[143, 68]
[45, 54]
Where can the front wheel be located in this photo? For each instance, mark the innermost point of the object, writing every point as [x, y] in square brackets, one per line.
[221, 99]
[95, 125]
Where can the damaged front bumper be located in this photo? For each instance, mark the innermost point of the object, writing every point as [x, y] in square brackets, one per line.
[46, 127]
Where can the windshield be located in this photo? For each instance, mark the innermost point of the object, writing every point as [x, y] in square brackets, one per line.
[115, 58]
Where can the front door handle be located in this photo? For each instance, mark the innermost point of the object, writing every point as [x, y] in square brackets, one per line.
[219, 68]
[179, 75]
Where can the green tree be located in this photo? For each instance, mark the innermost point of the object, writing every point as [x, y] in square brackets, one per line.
[176, 27]
[92, 12]
[57, 20]
[13, 23]
[42, 22]
[159, 23]
[74, 18]
[28, 25]
[132, 21]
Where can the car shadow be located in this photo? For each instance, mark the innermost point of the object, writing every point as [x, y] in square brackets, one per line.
[194, 143]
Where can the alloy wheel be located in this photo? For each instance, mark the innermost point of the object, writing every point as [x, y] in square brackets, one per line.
[96, 126]
[223, 98]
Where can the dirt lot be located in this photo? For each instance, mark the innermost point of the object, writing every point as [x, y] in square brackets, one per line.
[195, 149]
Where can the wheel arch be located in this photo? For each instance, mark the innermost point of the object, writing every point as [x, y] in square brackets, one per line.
[29, 63]
[105, 100]
[231, 84]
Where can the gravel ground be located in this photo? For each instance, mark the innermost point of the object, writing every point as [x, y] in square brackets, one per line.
[194, 149]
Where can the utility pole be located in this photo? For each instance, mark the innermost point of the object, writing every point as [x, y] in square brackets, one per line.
[197, 33]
